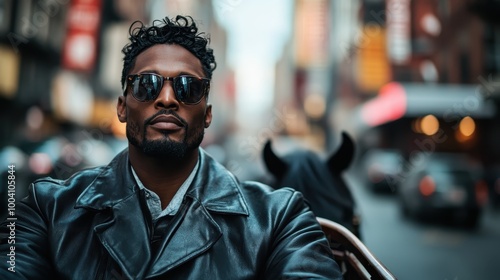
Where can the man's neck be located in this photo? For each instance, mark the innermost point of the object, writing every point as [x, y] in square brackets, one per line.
[161, 176]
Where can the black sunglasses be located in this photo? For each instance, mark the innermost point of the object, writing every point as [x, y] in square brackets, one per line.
[188, 89]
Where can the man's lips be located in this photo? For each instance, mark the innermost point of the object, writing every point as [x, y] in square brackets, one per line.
[166, 122]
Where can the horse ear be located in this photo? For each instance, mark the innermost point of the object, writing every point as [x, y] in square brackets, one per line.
[340, 160]
[273, 163]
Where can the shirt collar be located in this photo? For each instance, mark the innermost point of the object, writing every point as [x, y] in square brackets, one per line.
[176, 201]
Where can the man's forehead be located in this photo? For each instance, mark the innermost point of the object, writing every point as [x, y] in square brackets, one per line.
[168, 57]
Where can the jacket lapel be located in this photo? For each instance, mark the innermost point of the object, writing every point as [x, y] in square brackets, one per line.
[119, 223]
[192, 232]
[125, 237]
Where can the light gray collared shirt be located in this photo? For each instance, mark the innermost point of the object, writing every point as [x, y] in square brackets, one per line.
[154, 202]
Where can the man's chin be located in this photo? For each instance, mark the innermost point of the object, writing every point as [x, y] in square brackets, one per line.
[166, 149]
[165, 135]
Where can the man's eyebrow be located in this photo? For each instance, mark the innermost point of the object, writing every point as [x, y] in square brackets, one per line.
[182, 73]
[149, 71]
[189, 74]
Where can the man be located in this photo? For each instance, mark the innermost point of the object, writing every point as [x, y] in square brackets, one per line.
[163, 208]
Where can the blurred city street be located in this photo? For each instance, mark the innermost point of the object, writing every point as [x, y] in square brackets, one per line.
[413, 82]
[427, 250]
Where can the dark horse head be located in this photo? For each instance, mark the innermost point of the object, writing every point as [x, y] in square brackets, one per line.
[319, 180]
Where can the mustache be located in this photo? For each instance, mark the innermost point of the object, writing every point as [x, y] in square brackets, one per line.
[165, 112]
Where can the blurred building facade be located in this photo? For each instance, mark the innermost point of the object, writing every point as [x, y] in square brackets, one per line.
[344, 53]
[439, 52]
[55, 53]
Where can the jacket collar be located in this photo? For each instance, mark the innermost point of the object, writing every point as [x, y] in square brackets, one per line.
[216, 188]
[113, 184]
[213, 186]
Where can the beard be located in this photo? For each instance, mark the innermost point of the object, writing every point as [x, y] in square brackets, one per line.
[165, 148]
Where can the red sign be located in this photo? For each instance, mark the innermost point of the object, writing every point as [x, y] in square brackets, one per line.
[80, 45]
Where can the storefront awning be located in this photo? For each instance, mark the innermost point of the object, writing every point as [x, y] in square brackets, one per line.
[398, 100]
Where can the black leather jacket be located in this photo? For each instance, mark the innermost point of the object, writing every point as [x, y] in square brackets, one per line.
[93, 226]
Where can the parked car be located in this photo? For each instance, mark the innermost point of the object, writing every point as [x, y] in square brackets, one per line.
[381, 168]
[444, 186]
[492, 177]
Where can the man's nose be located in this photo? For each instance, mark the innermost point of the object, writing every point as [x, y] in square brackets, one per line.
[167, 98]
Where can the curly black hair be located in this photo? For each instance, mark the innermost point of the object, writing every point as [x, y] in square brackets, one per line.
[181, 31]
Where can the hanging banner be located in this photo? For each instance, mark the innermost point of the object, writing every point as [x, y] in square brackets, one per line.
[312, 36]
[398, 28]
[80, 45]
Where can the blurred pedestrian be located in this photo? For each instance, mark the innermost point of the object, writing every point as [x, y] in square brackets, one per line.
[163, 208]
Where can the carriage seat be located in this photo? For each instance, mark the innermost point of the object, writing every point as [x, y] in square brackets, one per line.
[354, 258]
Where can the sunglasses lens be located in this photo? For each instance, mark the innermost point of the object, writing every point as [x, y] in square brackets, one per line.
[147, 87]
[188, 89]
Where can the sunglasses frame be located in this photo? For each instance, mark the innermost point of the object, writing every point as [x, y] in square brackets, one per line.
[131, 79]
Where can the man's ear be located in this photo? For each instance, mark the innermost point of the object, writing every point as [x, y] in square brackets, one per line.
[121, 109]
[208, 115]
